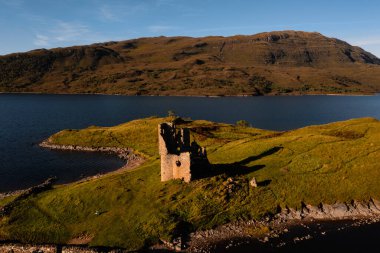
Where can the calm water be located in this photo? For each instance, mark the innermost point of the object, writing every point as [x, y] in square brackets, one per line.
[27, 119]
[349, 240]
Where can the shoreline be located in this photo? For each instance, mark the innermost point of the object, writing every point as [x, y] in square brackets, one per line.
[283, 237]
[276, 232]
[128, 155]
[132, 160]
[206, 96]
[289, 226]
[54, 248]
[123, 153]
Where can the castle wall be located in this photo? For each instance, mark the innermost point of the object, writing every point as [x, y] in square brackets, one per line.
[167, 167]
[182, 167]
[176, 167]
[177, 154]
[166, 159]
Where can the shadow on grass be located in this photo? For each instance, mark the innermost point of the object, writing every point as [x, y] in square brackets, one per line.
[234, 169]
[264, 183]
[262, 155]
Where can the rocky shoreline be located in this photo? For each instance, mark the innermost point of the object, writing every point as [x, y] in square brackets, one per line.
[6, 209]
[131, 159]
[28, 248]
[126, 154]
[289, 226]
[270, 232]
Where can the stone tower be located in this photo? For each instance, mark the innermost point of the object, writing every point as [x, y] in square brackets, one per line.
[179, 157]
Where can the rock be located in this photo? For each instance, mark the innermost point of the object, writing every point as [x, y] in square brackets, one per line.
[313, 212]
[375, 208]
[294, 214]
[363, 209]
[376, 203]
[253, 182]
[308, 237]
[338, 210]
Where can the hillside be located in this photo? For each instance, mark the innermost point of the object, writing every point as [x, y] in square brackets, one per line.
[337, 162]
[285, 62]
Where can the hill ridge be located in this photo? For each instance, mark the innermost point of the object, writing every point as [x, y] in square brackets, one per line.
[269, 63]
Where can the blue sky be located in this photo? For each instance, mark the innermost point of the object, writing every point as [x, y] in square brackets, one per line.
[31, 24]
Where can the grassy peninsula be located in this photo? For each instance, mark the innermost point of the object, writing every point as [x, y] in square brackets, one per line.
[337, 162]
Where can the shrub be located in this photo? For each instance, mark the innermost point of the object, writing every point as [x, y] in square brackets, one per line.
[242, 123]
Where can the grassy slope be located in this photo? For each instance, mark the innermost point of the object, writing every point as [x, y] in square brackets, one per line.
[328, 163]
[7, 200]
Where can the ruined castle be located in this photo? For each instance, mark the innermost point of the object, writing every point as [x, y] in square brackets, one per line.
[180, 159]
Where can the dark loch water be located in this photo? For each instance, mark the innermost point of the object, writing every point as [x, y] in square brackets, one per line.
[350, 239]
[27, 119]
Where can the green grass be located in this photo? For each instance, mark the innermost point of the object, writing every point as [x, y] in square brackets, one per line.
[7, 200]
[327, 163]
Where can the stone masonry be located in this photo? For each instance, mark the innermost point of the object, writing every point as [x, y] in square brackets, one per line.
[180, 159]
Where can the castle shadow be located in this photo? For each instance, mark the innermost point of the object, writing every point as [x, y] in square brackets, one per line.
[262, 155]
[235, 169]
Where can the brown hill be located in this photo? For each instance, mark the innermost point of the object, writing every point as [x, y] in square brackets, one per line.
[286, 62]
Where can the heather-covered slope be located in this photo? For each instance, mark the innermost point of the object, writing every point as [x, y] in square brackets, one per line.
[286, 62]
[331, 163]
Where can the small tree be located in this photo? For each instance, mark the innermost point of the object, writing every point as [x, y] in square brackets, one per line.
[242, 123]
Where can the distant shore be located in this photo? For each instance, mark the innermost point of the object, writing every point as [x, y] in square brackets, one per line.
[205, 96]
